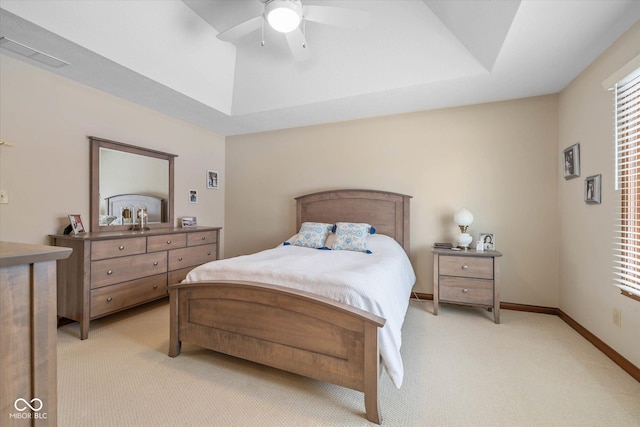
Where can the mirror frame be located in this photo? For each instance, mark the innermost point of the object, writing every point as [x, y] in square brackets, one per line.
[94, 211]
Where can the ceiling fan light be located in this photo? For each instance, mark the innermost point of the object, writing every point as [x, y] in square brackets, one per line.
[284, 16]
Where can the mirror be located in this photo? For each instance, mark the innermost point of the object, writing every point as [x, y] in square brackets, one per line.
[129, 183]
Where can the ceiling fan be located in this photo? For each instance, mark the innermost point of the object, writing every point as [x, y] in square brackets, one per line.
[289, 16]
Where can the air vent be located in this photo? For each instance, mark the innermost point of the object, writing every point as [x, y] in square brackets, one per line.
[30, 53]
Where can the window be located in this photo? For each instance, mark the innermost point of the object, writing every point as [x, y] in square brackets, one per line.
[627, 122]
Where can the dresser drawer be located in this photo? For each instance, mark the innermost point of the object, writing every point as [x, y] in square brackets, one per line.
[466, 291]
[461, 266]
[116, 297]
[177, 276]
[118, 247]
[189, 257]
[109, 271]
[202, 238]
[166, 242]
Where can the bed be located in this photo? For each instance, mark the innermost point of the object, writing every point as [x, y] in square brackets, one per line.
[285, 321]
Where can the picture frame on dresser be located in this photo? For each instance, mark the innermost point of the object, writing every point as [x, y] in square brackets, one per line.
[76, 223]
[189, 222]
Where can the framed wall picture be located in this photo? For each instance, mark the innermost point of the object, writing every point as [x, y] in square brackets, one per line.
[76, 223]
[212, 180]
[193, 196]
[592, 189]
[488, 241]
[571, 161]
[189, 222]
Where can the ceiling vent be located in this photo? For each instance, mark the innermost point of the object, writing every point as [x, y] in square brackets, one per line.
[30, 53]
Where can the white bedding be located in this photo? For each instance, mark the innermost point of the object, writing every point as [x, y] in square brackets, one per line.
[379, 283]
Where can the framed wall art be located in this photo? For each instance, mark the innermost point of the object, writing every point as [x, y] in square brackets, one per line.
[212, 180]
[193, 196]
[571, 161]
[593, 189]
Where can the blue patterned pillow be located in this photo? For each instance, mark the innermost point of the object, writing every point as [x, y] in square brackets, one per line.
[313, 234]
[351, 237]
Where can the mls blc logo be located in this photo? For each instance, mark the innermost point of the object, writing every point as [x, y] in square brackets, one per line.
[23, 405]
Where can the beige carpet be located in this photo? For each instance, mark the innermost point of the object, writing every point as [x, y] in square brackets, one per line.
[460, 370]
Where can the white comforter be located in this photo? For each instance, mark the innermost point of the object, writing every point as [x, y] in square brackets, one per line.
[379, 283]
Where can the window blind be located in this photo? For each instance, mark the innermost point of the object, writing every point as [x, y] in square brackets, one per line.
[627, 236]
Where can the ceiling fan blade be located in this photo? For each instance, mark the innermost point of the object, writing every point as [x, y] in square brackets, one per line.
[338, 16]
[242, 29]
[298, 45]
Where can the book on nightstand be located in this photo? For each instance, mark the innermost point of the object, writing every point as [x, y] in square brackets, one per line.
[442, 245]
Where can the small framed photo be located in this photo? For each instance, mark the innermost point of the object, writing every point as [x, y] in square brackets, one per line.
[212, 179]
[76, 223]
[488, 241]
[193, 196]
[189, 222]
[592, 189]
[571, 161]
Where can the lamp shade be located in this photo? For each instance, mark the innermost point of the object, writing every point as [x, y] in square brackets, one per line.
[284, 16]
[463, 217]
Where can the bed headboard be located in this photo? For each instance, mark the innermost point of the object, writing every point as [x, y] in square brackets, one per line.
[387, 212]
[154, 205]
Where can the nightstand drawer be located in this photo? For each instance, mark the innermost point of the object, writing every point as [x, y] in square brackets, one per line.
[466, 291]
[463, 266]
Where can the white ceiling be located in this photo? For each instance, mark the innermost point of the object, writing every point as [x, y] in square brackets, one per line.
[412, 55]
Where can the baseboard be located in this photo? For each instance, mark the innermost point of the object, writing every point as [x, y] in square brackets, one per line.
[616, 357]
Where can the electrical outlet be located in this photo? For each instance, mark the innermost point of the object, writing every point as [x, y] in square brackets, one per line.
[617, 316]
[4, 196]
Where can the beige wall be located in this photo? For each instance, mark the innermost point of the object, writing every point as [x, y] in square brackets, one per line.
[586, 291]
[48, 119]
[498, 160]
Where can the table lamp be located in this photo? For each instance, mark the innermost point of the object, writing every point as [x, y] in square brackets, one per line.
[463, 218]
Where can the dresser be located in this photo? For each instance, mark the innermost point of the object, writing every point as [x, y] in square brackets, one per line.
[112, 271]
[28, 372]
[467, 277]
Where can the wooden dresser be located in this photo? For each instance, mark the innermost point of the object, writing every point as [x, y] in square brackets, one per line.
[113, 271]
[467, 277]
[28, 372]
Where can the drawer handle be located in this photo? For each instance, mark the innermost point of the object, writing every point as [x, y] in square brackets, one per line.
[155, 286]
[109, 299]
[465, 290]
[203, 238]
[168, 242]
[208, 253]
[465, 267]
[121, 247]
[155, 264]
[180, 259]
[109, 273]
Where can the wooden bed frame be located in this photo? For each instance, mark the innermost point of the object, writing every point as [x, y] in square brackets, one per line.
[292, 330]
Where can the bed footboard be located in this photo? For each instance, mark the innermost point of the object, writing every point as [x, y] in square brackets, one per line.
[283, 328]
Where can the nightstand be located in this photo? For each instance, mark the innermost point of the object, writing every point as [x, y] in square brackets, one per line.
[467, 277]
